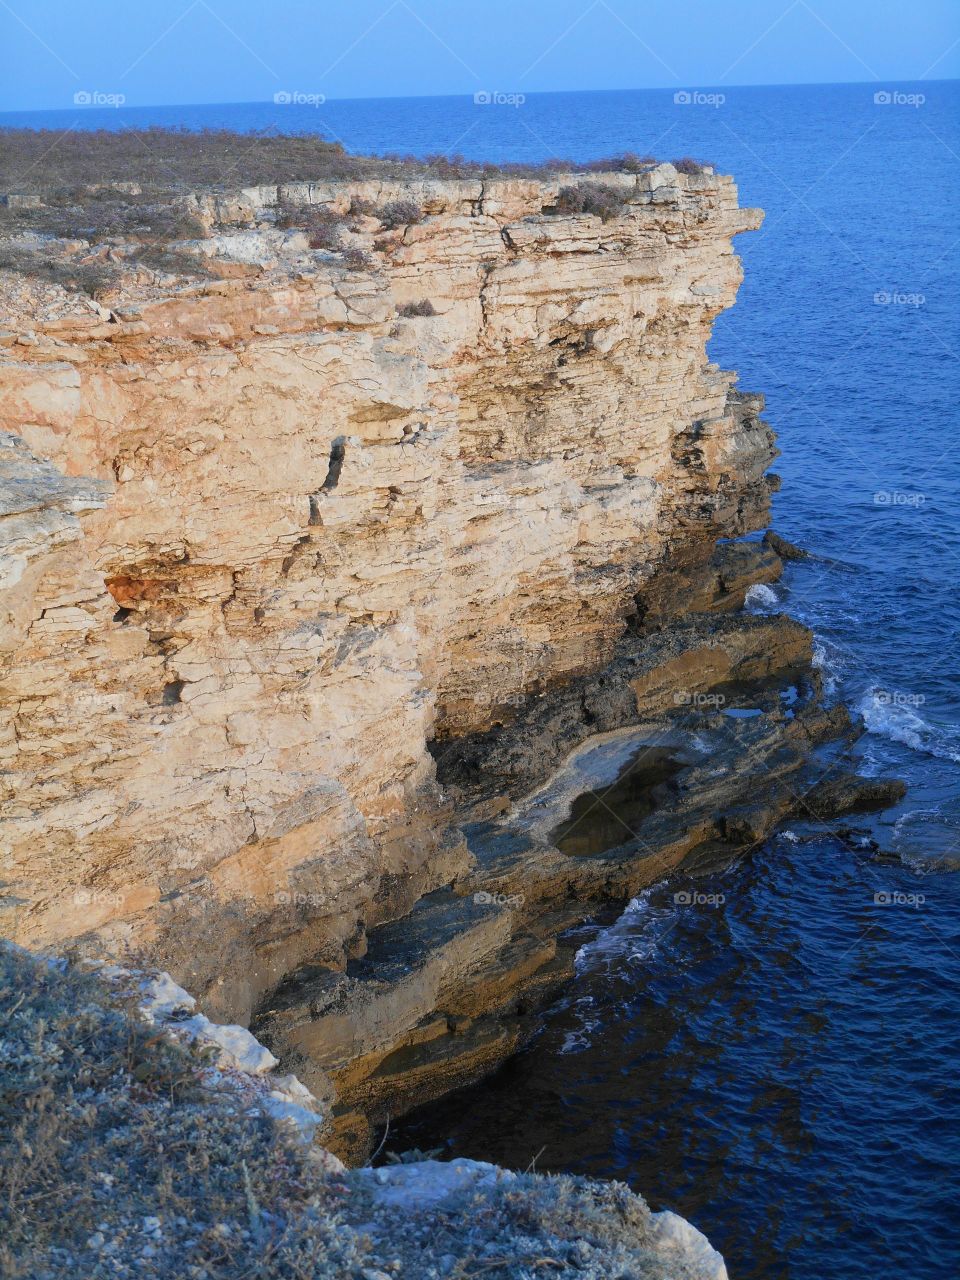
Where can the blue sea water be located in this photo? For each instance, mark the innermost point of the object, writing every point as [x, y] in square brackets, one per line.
[781, 1066]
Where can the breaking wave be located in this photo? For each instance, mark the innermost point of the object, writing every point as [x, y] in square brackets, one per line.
[895, 717]
[761, 597]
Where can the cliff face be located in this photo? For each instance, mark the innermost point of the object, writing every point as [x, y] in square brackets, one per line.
[265, 540]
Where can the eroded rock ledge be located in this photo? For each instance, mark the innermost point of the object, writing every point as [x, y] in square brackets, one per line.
[302, 598]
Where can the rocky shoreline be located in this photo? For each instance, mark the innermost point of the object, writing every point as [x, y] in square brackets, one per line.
[444, 994]
[373, 612]
[279, 539]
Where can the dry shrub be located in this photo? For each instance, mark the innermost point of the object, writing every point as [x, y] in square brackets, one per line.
[629, 162]
[356, 259]
[321, 224]
[399, 213]
[411, 310]
[597, 198]
[687, 164]
[92, 278]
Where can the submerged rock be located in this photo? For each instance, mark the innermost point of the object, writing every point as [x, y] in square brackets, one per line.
[848, 793]
[784, 549]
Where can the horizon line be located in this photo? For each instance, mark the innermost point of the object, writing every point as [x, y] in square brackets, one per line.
[439, 97]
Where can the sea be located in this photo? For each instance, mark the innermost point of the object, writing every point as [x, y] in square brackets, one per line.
[777, 1055]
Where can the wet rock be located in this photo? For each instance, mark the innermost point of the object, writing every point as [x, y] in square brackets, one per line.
[848, 793]
[672, 670]
[784, 549]
[446, 993]
[714, 582]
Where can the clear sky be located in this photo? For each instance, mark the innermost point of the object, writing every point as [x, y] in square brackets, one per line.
[192, 51]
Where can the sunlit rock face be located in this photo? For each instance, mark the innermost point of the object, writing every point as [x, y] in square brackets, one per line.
[264, 539]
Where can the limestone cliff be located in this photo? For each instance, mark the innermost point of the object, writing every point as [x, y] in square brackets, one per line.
[265, 539]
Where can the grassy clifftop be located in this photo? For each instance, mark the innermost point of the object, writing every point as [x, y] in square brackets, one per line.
[107, 189]
[118, 1158]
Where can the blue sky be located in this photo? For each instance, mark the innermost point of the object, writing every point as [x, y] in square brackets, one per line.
[192, 51]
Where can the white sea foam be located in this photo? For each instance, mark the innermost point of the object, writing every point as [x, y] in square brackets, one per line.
[927, 839]
[634, 935]
[826, 662]
[761, 597]
[910, 818]
[632, 938]
[889, 718]
[581, 1037]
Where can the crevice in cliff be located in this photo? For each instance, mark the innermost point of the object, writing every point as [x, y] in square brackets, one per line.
[295, 555]
[172, 693]
[338, 453]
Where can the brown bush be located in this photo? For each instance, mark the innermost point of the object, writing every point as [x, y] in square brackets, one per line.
[686, 164]
[356, 259]
[399, 213]
[411, 310]
[361, 207]
[321, 224]
[91, 278]
[629, 162]
[598, 198]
